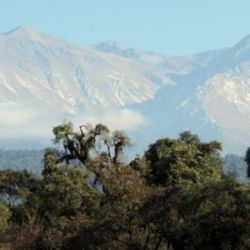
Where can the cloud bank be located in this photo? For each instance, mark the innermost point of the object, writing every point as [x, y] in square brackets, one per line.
[23, 121]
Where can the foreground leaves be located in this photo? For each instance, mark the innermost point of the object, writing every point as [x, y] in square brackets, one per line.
[173, 197]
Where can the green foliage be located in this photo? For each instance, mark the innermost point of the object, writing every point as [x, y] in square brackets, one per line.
[184, 162]
[50, 160]
[4, 214]
[175, 197]
[65, 191]
[62, 130]
[16, 186]
[221, 217]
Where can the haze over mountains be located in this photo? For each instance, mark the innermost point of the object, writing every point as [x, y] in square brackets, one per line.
[44, 80]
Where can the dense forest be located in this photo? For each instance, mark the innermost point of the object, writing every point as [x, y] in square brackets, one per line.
[175, 196]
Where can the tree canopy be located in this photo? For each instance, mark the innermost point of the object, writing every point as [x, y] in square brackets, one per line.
[185, 161]
[173, 197]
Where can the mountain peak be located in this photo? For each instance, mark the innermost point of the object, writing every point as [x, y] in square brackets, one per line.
[110, 44]
[117, 48]
[20, 29]
[24, 33]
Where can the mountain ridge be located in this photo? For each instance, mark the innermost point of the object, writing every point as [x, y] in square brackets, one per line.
[208, 92]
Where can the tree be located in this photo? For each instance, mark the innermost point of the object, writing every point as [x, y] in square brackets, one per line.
[121, 223]
[174, 197]
[211, 217]
[82, 146]
[183, 162]
[218, 217]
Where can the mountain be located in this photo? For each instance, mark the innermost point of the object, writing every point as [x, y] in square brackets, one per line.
[45, 79]
[51, 71]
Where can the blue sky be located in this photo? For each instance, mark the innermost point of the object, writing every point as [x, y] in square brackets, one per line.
[171, 27]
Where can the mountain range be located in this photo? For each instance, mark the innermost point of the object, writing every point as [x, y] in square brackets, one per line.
[45, 80]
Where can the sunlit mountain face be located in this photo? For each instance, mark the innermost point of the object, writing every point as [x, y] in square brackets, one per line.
[45, 80]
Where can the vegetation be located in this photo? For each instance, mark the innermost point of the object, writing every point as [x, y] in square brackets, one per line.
[175, 196]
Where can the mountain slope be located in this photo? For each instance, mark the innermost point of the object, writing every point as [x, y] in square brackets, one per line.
[52, 79]
[47, 70]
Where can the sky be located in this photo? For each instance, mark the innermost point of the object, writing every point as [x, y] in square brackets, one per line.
[172, 27]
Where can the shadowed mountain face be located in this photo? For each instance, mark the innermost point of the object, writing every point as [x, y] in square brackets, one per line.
[44, 80]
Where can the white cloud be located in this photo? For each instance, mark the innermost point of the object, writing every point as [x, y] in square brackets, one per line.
[23, 121]
[12, 115]
[125, 119]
